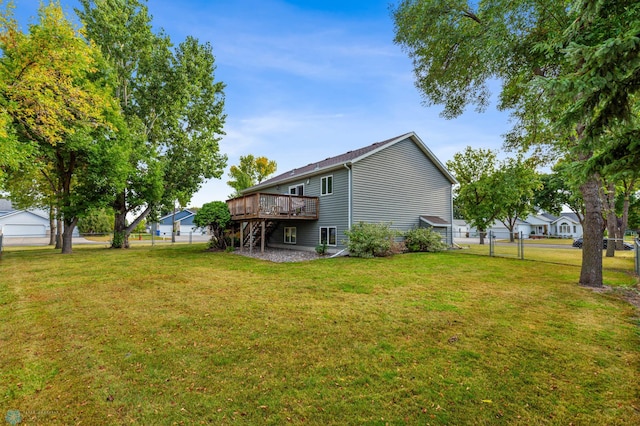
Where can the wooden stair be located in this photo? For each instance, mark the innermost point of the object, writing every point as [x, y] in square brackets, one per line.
[253, 232]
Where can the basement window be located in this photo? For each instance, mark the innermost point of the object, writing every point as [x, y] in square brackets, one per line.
[290, 235]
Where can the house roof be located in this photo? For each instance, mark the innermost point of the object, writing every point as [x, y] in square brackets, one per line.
[351, 157]
[436, 221]
[16, 213]
[548, 216]
[539, 219]
[568, 216]
[181, 216]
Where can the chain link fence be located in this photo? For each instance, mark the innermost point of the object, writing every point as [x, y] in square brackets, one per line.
[498, 248]
[16, 241]
[636, 244]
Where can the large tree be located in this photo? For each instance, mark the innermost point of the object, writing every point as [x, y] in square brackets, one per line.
[459, 47]
[559, 190]
[597, 95]
[172, 105]
[56, 93]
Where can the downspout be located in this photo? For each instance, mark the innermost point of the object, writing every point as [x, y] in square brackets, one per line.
[451, 198]
[346, 166]
[350, 201]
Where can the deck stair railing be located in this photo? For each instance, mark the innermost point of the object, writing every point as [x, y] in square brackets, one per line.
[252, 233]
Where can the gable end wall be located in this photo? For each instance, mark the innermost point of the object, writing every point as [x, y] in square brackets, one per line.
[397, 185]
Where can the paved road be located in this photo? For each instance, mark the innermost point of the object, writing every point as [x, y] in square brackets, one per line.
[467, 241]
[38, 241]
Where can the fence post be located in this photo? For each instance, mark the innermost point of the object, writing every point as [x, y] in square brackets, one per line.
[521, 246]
[491, 248]
[190, 237]
[1, 244]
[637, 250]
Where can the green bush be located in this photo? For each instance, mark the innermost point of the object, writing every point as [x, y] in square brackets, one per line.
[96, 221]
[216, 217]
[424, 239]
[370, 239]
[321, 249]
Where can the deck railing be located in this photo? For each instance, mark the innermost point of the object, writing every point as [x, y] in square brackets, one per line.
[273, 206]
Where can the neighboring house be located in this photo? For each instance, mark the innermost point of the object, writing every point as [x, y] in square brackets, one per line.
[461, 229]
[397, 181]
[538, 225]
[567, 226]
[23, 223]
[183, 220]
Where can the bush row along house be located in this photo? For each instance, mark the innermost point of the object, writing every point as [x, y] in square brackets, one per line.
[397, 181]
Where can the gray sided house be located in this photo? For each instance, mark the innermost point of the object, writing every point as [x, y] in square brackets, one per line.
[398, 181]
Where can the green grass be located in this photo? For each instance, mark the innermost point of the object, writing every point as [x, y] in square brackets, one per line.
[178, 335]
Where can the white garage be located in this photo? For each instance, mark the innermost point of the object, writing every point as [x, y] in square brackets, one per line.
[23, 223]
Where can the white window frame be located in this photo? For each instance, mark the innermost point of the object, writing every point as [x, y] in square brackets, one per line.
[290, 235]
[293, 189]
[328, 228]
[565, 228]
[324, 185]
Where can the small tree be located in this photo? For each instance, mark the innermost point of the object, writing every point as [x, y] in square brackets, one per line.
[370, 239]
[97, 221]
[251, 171]
[216, 217]
[475, 196]
[424, 240]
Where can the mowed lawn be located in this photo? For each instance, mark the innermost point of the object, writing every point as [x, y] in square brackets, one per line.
[178, 335]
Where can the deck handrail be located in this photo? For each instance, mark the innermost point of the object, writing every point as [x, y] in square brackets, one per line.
[268, 205]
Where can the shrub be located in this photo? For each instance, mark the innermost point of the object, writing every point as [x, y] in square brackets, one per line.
[321, 249]
[216, 217]
[370, 239]
[424, 239]
[96, 221]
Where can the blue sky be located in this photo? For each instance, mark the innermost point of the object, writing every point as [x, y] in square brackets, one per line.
[307, 80]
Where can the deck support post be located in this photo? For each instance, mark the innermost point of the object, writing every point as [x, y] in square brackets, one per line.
[251, 237]
[241, 236]
[262, 233]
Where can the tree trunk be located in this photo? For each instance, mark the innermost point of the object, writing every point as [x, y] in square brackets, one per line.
[622, 224]
[624, 220]
[133, 225]
[52, 226]
[610, 209]
[67, 236]
[59, 229]
[120, 237]
[482, 234]
[591, 272]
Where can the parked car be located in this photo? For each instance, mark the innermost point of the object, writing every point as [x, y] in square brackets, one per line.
[578, 243]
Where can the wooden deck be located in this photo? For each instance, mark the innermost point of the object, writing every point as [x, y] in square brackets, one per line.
[273, 207]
